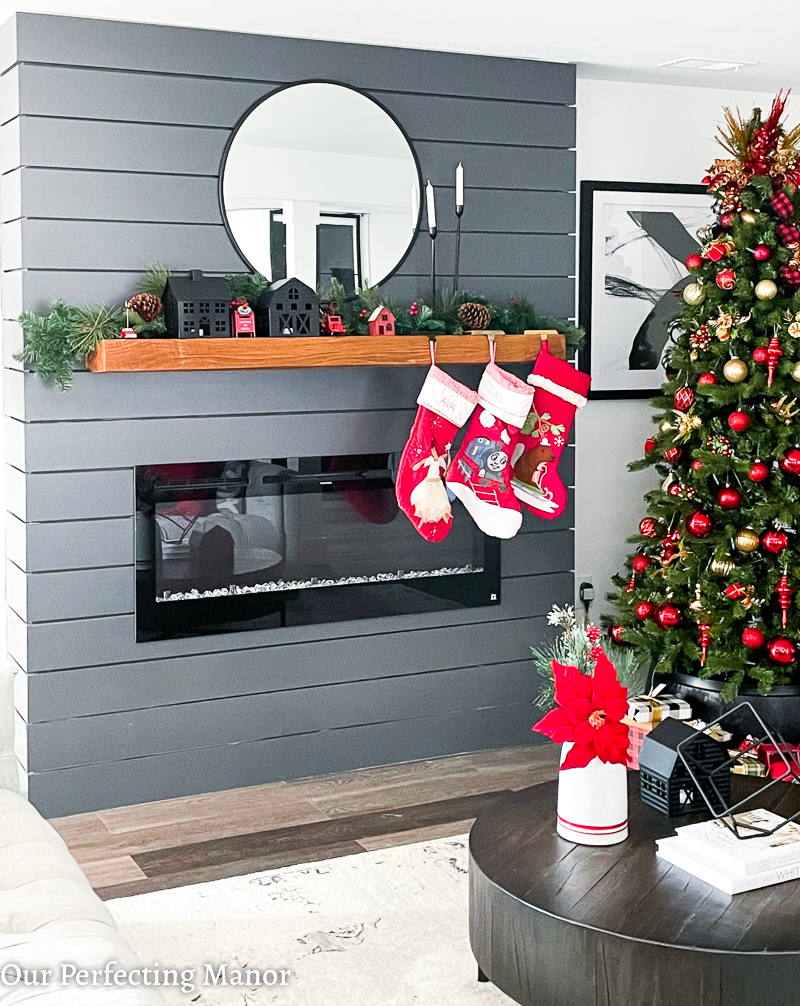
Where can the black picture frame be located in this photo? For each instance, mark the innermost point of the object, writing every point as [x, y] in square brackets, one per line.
[298, 83]
[587, 305]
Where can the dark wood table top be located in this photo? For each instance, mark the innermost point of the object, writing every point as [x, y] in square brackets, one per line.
[625, 889]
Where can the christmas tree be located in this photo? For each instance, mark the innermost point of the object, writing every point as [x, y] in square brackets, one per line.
[710, 590]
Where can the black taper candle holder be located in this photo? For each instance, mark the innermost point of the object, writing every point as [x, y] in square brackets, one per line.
[433, 232]
[457, 267]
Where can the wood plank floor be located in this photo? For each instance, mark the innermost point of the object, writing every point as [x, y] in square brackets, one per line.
[170, 843]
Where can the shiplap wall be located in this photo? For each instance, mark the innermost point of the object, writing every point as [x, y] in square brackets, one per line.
[110, 147]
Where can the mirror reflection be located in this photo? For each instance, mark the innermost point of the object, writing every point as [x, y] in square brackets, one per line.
[320, 182]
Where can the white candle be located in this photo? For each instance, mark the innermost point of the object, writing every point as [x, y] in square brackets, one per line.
[460, 185]
[431, 206]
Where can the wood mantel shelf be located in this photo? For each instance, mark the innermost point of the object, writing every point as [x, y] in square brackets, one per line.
[115, 355]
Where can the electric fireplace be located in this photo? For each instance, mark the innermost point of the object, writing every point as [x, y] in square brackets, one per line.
[226, 546]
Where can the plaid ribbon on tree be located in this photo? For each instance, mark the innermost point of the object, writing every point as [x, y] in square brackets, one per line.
[790, 274]
[788, 235]
[782, 204]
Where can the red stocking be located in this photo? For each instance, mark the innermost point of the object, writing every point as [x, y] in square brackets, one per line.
[560, 389]
[444, 407]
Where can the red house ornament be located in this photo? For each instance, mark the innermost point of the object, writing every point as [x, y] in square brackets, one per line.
[381, 322]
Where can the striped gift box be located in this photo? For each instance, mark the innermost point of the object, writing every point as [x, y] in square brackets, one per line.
[636, 735]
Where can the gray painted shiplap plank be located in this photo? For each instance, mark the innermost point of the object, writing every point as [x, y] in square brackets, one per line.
[85, 593]
[503, 254]
[65, 496]
[37, 548]
[61, 193]
[531, 554]
[198, 52]
[114, 96]
[498, 167]
[87, 691]
[55, 645]
[110, 737]
[134, 195]
[206, 769]
[99, 244]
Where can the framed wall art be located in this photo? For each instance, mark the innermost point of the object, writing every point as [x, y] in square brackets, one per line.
[634, 239]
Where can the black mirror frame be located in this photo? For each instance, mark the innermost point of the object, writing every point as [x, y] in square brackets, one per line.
[299, 83]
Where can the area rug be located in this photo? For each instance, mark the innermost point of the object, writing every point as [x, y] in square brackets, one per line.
[386, 928]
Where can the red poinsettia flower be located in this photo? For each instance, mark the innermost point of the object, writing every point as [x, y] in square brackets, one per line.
[588, 714]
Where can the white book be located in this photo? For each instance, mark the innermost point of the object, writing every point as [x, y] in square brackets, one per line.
[674, 851]
[749, 856]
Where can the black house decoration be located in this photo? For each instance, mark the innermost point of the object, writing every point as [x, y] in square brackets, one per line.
[664, 781]
[197, 306]
[288, 307]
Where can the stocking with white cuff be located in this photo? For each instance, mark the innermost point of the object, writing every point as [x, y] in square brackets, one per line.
[559, 389]
[444, 406]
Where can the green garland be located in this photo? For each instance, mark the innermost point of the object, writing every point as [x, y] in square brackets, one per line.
[517, 316]
[57, 343]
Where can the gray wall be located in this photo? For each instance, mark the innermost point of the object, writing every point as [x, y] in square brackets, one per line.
[110, 143]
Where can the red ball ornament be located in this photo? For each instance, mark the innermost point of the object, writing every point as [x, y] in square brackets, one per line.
[648, 527]
[739, 421]
[672, 454]
[760, 354]
[649, 445]
[668, 616]
[726, 220]
[758, 472]
[753, 638]
[729, 498]
[699, 524]
[697, 465]
[644, 610]
[616, 634]
[693, 261]
[683, 399]
[791, 462]
[774, 541]
[781, 650]
[726, 279]
[761, 253]
[707, 379]
[640, 563]
[674, 488]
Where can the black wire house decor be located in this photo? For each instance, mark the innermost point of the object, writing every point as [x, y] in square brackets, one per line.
[665, 782]
[713, 783]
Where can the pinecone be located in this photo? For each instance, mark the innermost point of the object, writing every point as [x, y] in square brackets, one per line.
[474, 317]
[146, 305]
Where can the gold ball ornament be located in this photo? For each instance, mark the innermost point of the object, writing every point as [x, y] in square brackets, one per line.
[748, 217]
[722, 567]
[735, 370]
[694, 293]
[766, 289]
[796, 372]
[747, 540]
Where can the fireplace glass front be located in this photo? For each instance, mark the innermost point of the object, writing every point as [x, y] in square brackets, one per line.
[235, 545]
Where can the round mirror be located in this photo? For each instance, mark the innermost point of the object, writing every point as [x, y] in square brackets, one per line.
[321, 183]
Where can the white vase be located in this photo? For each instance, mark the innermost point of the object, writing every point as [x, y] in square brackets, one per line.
[593, 802]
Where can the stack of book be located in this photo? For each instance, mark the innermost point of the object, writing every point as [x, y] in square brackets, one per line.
[712, 853]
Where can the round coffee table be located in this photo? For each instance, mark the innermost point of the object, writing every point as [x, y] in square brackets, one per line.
[557, 924]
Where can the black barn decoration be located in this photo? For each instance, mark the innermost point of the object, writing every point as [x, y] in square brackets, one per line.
[664, 781]
[197, 307]
[288, 307]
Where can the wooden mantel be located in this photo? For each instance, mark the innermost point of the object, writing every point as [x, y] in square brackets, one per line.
[325, 351]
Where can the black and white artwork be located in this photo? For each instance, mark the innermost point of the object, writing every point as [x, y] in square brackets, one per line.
[635, 238]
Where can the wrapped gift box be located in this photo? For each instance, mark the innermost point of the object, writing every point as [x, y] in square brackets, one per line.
[636, 735]
[747, 764]
[717, 732]
[655, 708]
